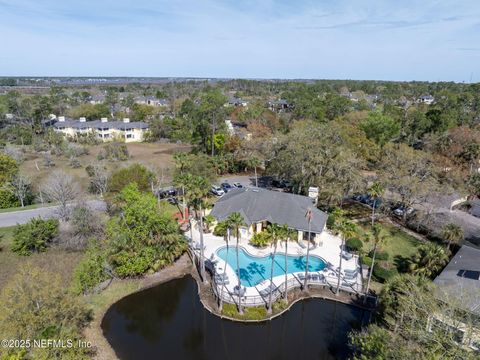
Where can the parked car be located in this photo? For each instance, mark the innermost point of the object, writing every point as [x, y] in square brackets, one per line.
[217, 190]
[401, 210]
[167, 192]
[226, 187]
[237, 185]
[368, 200]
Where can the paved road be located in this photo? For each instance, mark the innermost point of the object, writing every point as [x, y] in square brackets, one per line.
[23, 216]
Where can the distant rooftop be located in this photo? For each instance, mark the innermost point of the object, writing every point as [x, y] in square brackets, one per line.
[98, 124]
[460, 280]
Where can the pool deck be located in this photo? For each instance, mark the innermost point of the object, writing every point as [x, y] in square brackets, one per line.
[329, 251]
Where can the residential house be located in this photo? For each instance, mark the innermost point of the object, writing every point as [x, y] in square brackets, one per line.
[97, 99]
[279, 105]
[459, 285]
[234, 101]
[261, 207]
[103, 129]
[426, 99]
[151, 100]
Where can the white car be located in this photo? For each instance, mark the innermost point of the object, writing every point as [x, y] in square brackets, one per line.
[401, 210]
[217, 190]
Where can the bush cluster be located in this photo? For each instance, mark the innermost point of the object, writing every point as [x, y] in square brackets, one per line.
[354, 244]
[382, 273]
[260, 239]
[34, 236]
[91, 270]
[135, 173]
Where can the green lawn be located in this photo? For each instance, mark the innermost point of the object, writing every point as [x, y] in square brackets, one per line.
[399, 245]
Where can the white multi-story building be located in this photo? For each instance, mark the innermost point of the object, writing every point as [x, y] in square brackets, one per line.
[103, 129]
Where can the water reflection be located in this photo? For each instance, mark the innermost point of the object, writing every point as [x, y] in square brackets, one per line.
[168, 321]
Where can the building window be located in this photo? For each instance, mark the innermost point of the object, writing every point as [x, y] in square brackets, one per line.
[106, 136]
[129, 136]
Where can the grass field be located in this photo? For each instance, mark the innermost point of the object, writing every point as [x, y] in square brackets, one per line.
[399, 245]
[54, 260]
[154, 155]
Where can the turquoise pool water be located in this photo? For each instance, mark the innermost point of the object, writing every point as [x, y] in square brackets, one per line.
[254, 270]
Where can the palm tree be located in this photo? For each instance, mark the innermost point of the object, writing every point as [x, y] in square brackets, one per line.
[286, 234]
[196, 190]
[375, 191]
[182, 178]
[379, 238]
[223, 229]
[429, 260]
[346, 229]
[182, 181]
[254, 162]
[273, 231]
[236, 222]
[308, 215]
[453, 234]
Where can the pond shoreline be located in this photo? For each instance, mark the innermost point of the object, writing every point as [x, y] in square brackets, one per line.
[183, 267]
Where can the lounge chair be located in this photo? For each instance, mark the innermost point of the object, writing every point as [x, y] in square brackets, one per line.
[241, 290]
[351, 275]
[222, 281]
[347, 255]
[265, 292]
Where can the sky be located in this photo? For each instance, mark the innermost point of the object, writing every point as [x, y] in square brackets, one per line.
[402, 40]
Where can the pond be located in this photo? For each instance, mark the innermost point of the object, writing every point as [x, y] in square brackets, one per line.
[169, 322]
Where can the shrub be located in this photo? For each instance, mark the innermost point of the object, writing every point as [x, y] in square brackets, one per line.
[8, 168]
[250, 313]
[114, 151]
[90, 271]
[133, 264]
[142, 239]
[366, 260]
[354, 244]
[279, 305]
[36, 304]
[383, 274]
[34, 235]
[135, 173]
[260, 239]
[380, 255]
[8, 198]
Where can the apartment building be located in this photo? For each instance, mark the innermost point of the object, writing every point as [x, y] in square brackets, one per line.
[103, 129]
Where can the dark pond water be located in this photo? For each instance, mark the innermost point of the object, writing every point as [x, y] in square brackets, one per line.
[169, 322]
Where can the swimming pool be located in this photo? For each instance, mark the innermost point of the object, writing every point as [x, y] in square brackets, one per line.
[254, 270]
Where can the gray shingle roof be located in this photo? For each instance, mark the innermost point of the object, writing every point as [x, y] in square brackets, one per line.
[457, 285]
[257, 205]
[96, 124]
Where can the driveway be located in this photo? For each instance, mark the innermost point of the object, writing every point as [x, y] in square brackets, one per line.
[23, 216]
